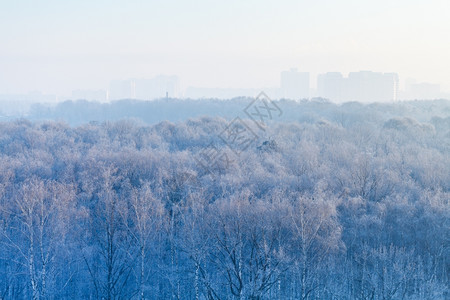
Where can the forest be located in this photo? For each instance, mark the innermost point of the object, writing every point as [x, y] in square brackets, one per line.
[322, 201]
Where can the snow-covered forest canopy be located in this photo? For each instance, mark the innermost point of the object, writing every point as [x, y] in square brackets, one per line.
[325, 201]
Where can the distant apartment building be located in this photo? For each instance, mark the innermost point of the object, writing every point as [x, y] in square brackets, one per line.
[363, 86]
[295, 84]
[145, 89]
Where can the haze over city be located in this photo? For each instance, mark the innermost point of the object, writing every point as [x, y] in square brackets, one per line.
[55, 47]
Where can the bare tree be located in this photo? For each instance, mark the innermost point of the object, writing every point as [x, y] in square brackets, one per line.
[316, 233]
[144, 220]
[37, 230]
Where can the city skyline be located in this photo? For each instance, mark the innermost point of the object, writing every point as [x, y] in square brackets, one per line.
[362, 86]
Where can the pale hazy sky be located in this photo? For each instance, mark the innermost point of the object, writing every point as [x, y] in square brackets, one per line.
[58, 46]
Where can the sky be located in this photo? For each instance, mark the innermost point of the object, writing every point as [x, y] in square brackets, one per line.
[59, 46]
